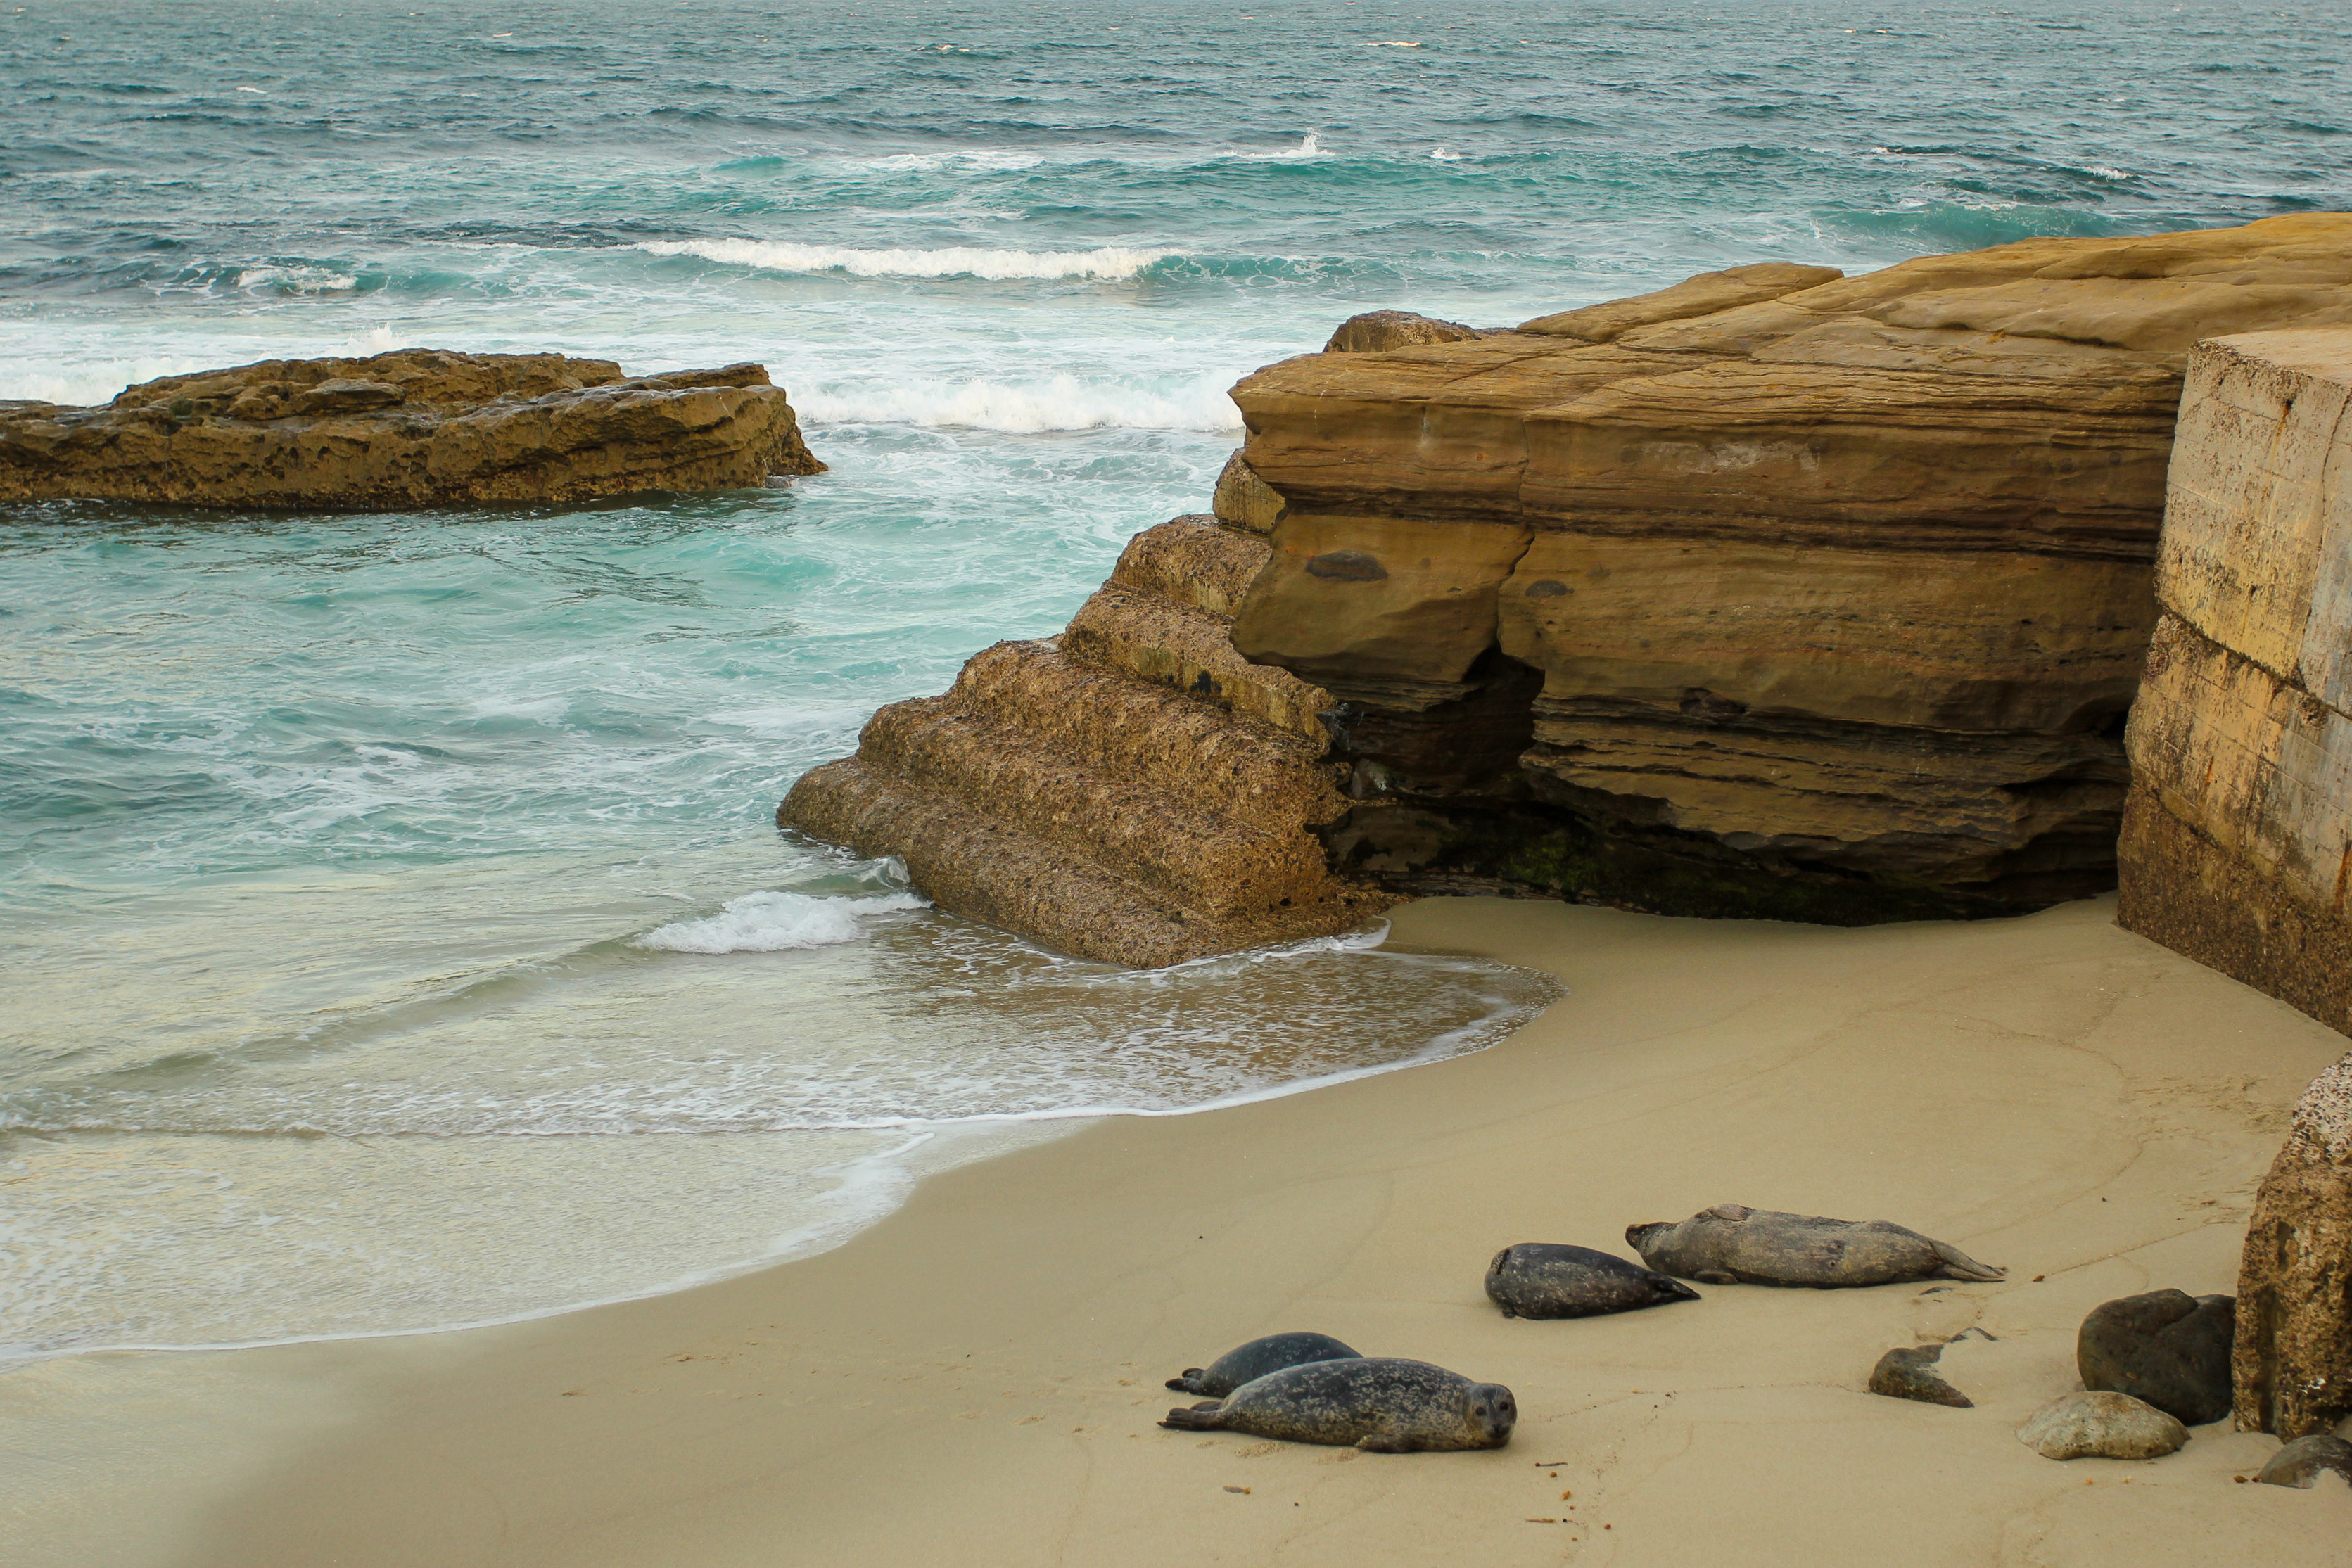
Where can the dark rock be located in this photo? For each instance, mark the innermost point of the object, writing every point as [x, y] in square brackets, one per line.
[2166, 1347]
[2299, 1463]
[1909, 1372]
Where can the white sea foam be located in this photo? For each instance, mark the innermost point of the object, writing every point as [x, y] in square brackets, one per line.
[1058, 403]
[956, 261]
[776, 922]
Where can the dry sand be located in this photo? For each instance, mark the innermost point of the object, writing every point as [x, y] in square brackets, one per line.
[975, 1380]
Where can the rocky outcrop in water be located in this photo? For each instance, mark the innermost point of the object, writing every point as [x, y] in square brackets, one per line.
[409, 428]
[2291, 1363]
[2237, 845]
[1132, 791]
[1772, 594]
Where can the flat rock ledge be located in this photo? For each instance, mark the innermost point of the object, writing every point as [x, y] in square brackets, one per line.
[412, 427]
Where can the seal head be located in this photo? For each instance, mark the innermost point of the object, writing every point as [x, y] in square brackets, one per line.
[1545, 1279]
[1257, 1358]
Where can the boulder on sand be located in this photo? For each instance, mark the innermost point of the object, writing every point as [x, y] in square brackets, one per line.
[414, 427]
[2166, 1347]
[2101, 1425]
[2291, 1363]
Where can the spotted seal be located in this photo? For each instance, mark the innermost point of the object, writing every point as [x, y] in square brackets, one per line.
[1257, 1358]
[1543, 1279]
[1379, 1403]
[1732, 1243]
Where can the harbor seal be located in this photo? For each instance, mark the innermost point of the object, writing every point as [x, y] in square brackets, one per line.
[1379, 1403]
[1257, 1358]
[1732, 1244]
[1544, 1279]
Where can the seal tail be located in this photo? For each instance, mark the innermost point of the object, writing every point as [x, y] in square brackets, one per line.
[1190, 1382]
[1200, 1418]
[1673, 1289]
[1958, 1265]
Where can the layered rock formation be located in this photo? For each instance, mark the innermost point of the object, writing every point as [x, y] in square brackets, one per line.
[2237, 845]
[1131, 790]
[1774, 592]
[2291, 1363]
[413, 427]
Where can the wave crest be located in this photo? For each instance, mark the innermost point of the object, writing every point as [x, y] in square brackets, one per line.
[776, 922]
[1114, 262]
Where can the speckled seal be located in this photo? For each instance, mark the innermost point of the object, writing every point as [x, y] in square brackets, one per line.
[1548, 1280]
[1732, 1244]
[1379, 1403]
[1257, 1358]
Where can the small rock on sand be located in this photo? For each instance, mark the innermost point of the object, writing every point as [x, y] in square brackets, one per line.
[2299, 1463]
[2104, 1425]
[1909, 1372]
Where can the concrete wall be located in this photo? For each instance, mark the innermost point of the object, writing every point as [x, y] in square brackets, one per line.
[2237, 841]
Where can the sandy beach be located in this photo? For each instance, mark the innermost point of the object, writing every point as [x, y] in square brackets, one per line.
[975, 1379]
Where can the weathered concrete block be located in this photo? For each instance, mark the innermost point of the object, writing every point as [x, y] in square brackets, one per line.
[2237, 841]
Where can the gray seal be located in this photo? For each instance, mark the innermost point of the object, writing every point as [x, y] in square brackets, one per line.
[1732, 1244]
[1379, 1403]
[1545, 1279]
[1257, 1358]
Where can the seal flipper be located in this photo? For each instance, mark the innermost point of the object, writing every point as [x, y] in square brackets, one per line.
[1379, 1443]
[1190, 1382]
[1958, 1265]
[1202, 1417]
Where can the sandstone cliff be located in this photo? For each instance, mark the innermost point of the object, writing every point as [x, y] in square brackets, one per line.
[2291, 1363]
[1131, 790]
[413, 427]
[1775, 592]
[2237, 845]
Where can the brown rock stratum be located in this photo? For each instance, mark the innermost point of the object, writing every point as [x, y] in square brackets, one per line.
[412, 427]
[2292, 1365]
[1131, 790]
[2237, 844]
[1773, 593]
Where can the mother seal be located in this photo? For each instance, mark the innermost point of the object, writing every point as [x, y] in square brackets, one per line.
[1257, 1358]
[1732, 1243]
[1545, 1279]
[1381, 1405]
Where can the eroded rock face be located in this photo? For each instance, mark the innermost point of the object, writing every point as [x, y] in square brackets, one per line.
[1132, 791]
[412, 427]
[2237, 846]
[1810, 597]
[2291, 1363]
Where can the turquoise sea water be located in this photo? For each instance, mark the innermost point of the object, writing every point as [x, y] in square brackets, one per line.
[394, 928]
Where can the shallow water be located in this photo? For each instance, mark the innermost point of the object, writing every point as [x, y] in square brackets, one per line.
[394, 928]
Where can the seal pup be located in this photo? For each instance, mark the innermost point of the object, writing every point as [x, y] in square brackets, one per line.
[1732, 1244]
[1379, 1403]
[1257, 1358]
[1545, 1279]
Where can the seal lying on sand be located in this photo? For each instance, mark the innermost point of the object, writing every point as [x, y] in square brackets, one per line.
[1379, 1403]
[1257, 1358]
[1542, 1280]
[1731, 1243]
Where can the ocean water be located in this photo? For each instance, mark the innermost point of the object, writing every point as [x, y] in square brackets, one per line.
[394, 928]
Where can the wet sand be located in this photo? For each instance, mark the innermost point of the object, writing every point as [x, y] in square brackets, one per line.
[975, 1379]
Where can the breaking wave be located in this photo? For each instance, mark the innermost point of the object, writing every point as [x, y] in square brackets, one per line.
[1112, 262]
[776, 922]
